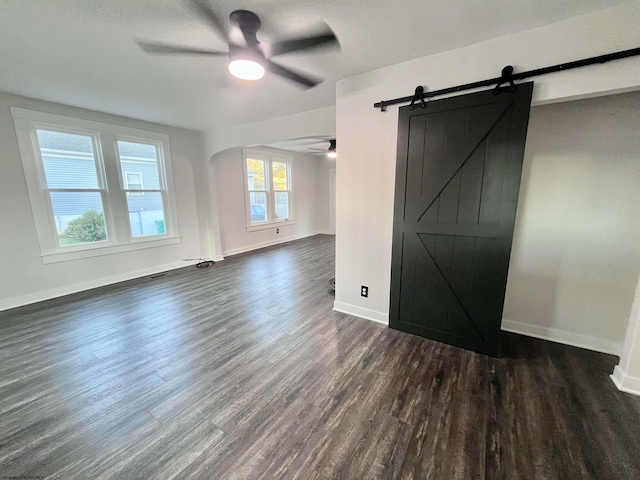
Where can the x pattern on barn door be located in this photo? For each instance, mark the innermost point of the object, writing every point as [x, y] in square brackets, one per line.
[457, 183]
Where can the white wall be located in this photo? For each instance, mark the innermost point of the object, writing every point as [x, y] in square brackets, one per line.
[325, 165]
[367, 138]
[309, 210]
[23, 276]
[576, 251]
[313, 123]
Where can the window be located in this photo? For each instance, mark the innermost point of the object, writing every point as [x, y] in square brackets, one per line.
[268, 185]
[146, 214]
[133, 181]
[95, 188]
[73, 187]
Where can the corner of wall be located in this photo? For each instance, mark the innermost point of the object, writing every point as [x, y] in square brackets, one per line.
[624, 382]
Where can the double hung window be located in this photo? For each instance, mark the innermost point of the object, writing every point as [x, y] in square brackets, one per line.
[95, 188]
[269, 195]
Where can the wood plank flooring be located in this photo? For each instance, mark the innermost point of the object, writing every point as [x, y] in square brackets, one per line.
[243, 371]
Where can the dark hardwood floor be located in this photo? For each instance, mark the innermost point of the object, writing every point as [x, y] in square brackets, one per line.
[242, 370]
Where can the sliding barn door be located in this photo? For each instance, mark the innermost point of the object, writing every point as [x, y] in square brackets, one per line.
[457, 181]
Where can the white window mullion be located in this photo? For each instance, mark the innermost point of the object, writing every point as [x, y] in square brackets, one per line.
[116, 202]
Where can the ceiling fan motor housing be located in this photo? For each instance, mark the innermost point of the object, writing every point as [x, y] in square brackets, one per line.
[249, 24]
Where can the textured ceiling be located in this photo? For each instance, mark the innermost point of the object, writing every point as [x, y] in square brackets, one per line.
[82, 53]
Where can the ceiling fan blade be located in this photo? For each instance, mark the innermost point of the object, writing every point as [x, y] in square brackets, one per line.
[324, 39]
[305, 81]
[150, 47]
[204, 11]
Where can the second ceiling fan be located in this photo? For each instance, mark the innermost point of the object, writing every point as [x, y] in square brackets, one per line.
[331, 152]
[248, 58]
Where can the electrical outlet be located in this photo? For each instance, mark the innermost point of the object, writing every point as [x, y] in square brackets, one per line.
[277, 230]
[364, 291]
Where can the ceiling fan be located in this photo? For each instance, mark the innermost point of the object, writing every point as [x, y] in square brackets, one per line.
[248, 58]
[332, 152]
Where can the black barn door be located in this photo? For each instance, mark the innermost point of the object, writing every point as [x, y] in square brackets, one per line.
[457, 181]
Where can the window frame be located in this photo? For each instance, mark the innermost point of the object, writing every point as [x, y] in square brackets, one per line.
[110, 178]
[162, 181]
[265, 164]
[46, 190]
[286, 190]
[268, 158]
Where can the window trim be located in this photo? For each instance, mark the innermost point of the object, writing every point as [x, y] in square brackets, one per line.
[105, 137]
[268, 157]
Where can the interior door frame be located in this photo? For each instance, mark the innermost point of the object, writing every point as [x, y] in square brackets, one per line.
[332, 201]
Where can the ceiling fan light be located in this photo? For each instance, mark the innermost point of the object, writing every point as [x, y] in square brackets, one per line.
[246, 69]
[332, 152]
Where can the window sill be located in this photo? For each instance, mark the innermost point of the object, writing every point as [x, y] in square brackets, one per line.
[268, 225]
[98, 251]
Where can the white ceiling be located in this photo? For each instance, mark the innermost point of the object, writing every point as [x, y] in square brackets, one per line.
[318, 145]
[82, 53]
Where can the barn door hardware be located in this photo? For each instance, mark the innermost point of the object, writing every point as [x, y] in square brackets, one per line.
[418, 96]
[507, 77]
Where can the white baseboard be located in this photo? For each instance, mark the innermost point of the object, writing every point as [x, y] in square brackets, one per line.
[365, 313]
[624, 382]
[19, 301]
[563, 336]
[270, 243]
[544, 333]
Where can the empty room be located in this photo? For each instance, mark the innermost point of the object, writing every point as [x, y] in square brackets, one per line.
[313, 240]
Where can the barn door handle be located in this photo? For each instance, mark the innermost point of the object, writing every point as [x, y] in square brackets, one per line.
[505, 77]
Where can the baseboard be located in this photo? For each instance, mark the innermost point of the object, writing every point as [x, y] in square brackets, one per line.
[365, 313]
[563, 336]
[551, 334]
[624, 382]
[19, 301]
[256, 246]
